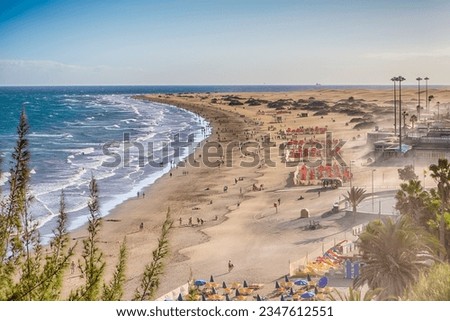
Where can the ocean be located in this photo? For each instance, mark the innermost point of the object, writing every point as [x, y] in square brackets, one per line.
[100, 131]
[80, 132]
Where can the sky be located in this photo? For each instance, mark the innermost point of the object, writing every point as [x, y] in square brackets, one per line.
[223, 42]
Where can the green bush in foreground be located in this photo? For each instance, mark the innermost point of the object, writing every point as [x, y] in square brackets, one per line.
[28, 272]
[432, 286]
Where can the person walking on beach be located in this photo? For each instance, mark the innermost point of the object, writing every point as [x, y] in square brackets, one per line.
[318, 193]
[137, 194]
[72, 267]
[230, 266]
[279, 201]
[143, 195]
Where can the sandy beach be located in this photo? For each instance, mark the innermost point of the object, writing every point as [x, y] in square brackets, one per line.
[240, 223]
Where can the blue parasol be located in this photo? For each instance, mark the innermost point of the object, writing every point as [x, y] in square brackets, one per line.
[301, 282]
[308, 295]
[199, 282]
[322, 282]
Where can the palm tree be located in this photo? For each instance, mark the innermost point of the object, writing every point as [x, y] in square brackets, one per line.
[414, 201]
[355, 196]
[413, 120]
[394, 254]
[440, 172]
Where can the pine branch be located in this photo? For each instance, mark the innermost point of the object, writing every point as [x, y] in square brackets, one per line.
[58, 261]
[153, 271]
[92, 265]
[17, 200]
[114, 290]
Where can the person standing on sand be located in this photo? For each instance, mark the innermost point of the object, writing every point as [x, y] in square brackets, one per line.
[72, 267]
[143, 195]
[230, 266]
[137, 194]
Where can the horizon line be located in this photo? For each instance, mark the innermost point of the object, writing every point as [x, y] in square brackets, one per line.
[215, 85]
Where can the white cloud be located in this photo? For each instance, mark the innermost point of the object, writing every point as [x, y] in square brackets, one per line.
[396, 55]
[48, 72]
[44, 64]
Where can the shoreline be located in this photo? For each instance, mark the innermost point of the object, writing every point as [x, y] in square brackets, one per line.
[260, 241]
[200, 130]
[119, 212]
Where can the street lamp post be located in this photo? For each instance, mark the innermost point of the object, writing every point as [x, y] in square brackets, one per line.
[373, 171]
[418, 96]
[394, 79]
[426, 92]
[400, 79]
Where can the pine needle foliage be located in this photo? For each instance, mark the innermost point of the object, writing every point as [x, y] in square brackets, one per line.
[150, 280]
[13, 215]
[92, 264]
[114, 290]
[29, 271]
[15, 204]
[57, 261]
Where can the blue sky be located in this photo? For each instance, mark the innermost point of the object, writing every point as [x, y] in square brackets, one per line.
[222, 42]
